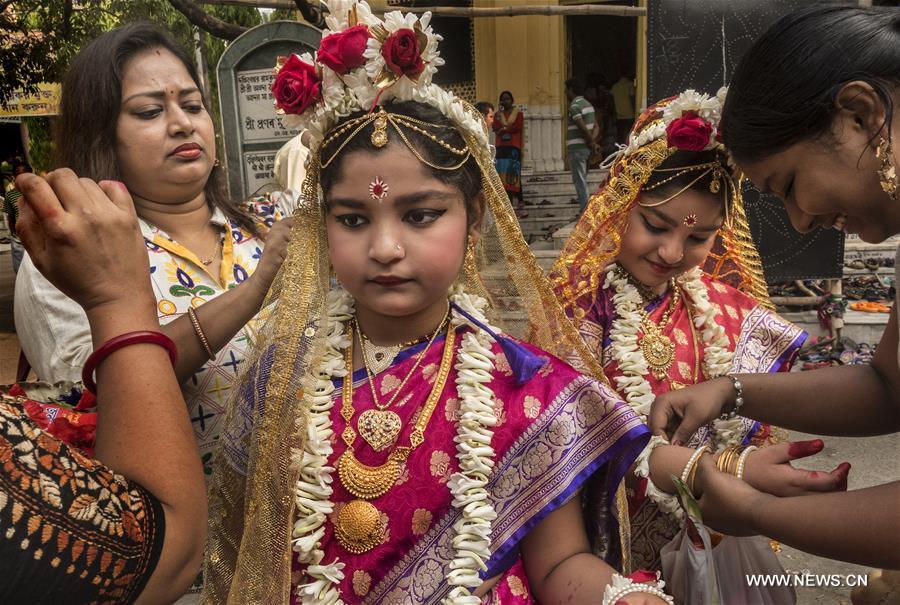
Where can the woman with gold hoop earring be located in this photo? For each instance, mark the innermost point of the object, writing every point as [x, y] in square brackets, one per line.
[665, 286]
[818, 126]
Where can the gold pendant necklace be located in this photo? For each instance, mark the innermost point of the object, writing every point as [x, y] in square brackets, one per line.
[380, 427]
[359, 525]
[658, 349]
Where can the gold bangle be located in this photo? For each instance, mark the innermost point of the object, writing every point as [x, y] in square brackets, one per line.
[200, 334]
[690, 469]
[728, 459]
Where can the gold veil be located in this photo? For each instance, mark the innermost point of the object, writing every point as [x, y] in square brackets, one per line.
[595, 242]
[251, 496]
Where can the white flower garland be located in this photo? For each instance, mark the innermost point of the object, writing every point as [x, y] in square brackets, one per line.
[475, 366]
[625, 348]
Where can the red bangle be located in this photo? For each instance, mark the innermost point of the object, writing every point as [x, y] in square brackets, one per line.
[124, 340]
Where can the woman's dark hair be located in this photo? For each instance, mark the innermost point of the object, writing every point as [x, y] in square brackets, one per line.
[506, 92]
[484, 107]
[684, 159]
[91, 101]
[467, 178]
[784, 87]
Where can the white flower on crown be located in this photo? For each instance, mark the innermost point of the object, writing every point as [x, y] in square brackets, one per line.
[340, 95]
[431, 58]
[690, 101]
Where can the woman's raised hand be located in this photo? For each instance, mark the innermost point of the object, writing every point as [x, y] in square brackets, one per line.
[678, 414]
[277, 240]
[84, 237]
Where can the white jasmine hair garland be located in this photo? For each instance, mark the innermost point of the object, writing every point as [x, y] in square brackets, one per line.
[323, 89]
[475, 366]
[633, 383]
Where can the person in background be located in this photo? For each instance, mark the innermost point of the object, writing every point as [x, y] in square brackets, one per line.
[129, 525]
[486, 109]
[598, 95]
[580, 143]
[508, 124]
[623, 97]
[11, 209]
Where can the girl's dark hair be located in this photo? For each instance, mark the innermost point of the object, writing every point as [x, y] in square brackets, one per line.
[784, 87]
[683, 159]
[467, 178]
[91, 101]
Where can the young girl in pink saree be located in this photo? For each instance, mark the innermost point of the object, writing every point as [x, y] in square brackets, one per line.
[391, 443]
[664, 284]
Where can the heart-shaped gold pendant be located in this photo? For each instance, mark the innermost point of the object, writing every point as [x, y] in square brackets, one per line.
[379, 428]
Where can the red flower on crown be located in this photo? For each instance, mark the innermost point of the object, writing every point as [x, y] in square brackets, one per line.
[689, 132]
[343, 51]
[402, 53]
[297, 86]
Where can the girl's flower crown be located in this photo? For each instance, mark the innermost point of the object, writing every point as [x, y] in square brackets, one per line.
[690, 121]
[362, 62]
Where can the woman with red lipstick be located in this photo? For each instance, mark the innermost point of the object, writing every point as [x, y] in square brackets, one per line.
[664, 285]
[826, 142]
[132, 111]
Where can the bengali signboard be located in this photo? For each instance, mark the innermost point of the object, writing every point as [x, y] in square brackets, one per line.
[44, 102]
[253, 133]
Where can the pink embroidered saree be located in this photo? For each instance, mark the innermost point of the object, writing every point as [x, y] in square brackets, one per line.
[555, 431]
[762, 342]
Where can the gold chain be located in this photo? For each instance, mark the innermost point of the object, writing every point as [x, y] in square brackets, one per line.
[419, 358]
[367, 482]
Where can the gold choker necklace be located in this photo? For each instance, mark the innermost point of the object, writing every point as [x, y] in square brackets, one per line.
[378, 357]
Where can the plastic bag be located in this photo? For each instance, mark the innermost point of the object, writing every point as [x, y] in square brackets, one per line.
[700, 569]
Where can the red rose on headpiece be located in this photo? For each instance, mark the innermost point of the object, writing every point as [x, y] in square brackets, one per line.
[402, 54]
[690, 132]
[296, 86]
[343, 51]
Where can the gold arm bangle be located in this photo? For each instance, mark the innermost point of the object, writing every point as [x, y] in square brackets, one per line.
[199, 331]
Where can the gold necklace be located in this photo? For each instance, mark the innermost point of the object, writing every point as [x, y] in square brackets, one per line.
[380, 427]
[695, 341]
[658, 349]
[643, 289]
[215, 253]
[359, 526]
[381, 357]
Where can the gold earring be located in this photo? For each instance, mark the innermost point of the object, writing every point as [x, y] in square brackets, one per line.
[887, 172]
[469, 265]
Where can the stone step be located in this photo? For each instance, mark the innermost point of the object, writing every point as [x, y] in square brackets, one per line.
[568, 212]
[556, 188]
[551, 179]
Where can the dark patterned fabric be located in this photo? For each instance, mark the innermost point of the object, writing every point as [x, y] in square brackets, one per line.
[71, 530]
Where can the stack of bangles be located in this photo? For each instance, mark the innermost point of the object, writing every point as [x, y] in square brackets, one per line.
[731, 460]
[119, 342]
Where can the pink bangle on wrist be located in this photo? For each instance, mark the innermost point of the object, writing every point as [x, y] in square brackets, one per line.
[121, 341]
